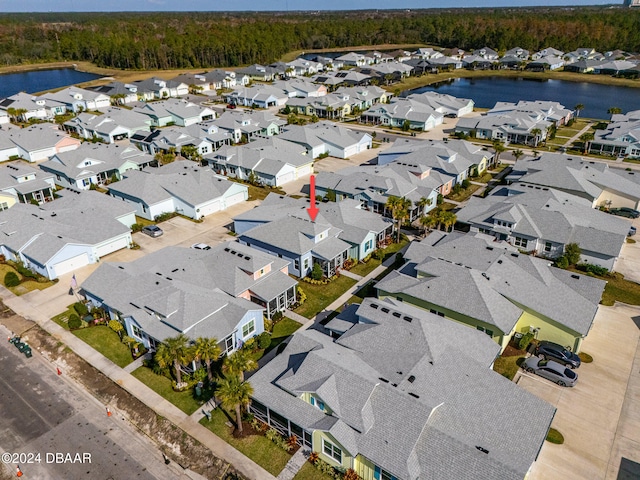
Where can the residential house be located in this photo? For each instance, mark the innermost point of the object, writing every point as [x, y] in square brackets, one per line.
[243, 125]
[582, 65]
[300, 88]
[489, 286]
[339, 141]
[582, 54]
[364, 231]
[614, 67]
[572, 174]
[515, 127]
[517, 52]
[353, 59]
[403, 112]
[539, 109]
[119, 93]
[269, 161]
[258, 72]
[175, 111]
[113, 125]
[196, 82]
[157, 88]
[25, 107]
[79, 99]
[546, 52]
[302, 66]
[387, 72]
[342, 77]
[20, 182]
[155, 303]
[444, 64]
[486, 53]
[182, 186]
[476, 62]
[37, 142]
[219, 79]
[544, 221]
[301, 242]
[620, 138]
[58, 237]
[397, 369]
[94, 164]
[4, 117]
[170, 139]
[427, 53]
[447, 105]
[258, 95]
[542, 64]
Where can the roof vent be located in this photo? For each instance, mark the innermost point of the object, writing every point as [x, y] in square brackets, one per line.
[396, 314]
[483, 450]
[407, 319]
[383, 380]
[385, 310]
[515, 255]
[489, 248]
[414, 395]
[500, 262]
[577, 277]
[374, 306]
[394, 384]
[411, 379]
[484, 274]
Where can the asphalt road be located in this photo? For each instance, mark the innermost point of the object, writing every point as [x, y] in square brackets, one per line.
[62, 431]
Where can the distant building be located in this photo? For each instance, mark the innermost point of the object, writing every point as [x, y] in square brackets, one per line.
[632, 3]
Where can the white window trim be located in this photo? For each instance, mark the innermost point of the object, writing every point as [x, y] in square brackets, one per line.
[333, 448]
[250, 328]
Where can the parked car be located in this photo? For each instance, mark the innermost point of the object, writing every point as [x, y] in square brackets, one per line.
[152, 230]
[550, 350]
[551, 370]
[231, 106]
[625, 212]
[201, 246]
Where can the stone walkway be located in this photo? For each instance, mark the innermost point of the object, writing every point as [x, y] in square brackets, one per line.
[576, 137]
[137, 363]
[294, 465]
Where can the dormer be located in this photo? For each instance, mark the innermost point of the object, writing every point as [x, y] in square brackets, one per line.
[262, 272]
[161, 83]
[26, 178]
[77, 96]
[40, 102]
[87, 162]
[449, 159]
[314, 400]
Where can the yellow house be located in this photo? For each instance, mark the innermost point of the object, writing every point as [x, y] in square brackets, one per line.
[490, 286]
[386, 398]
[7, 200]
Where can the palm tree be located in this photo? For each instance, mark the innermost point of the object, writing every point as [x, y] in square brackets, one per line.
[174, 351]
[422, 204]
[614, 110]
[427, 222]
[397, 205]
[12, 113]
[535, 132]
[237, 363]
[234, 394]
[498, 148]
[586, 138]
[517, 154]
[578, 108]
[207, 349]
[448, 219]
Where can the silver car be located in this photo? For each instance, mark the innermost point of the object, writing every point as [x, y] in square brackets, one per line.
[152, 230]
[554, 371]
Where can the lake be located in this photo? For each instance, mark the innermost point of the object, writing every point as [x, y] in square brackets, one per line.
[485, 92]
[39, 80]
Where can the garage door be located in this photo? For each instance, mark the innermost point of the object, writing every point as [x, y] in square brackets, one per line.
[235, 198]
[70, 264]
[286, 178]
[304, 171]
[112, 246]
[209, 209]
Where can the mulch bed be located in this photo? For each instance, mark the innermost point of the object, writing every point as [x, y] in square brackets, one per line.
[511, 351]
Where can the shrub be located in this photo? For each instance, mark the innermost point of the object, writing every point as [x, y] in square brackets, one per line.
[136, 227]
[351, 474]
[466, 183]
[562, 262]
[81, 309]
[116, 326]
[554, 436]
[316, 272]
[525, 341]
[264, 340]
[74, 321]
[24, 271]
[301, 296]
[313, 457]
[11, 279]
[378, 254]
[572, 251]
[595, 269]
[268, 325]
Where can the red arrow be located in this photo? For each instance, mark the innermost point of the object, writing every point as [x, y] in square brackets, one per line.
[312, 210]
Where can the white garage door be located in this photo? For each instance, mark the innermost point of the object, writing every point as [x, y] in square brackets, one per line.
[213, 207]
[66, 266]
[286, 178]
[304, 171]
[112, 246]
[235, 198]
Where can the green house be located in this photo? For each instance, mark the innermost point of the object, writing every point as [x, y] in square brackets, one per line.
[490, 286]
[387, 399]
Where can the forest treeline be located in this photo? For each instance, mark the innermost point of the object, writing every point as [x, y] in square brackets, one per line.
[211, 39]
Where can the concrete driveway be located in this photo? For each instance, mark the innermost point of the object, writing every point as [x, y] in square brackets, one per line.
[629, 261]
[177, 231]
[600, 416]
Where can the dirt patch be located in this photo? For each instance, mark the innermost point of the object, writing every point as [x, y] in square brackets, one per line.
[173, 441]
[511, 351]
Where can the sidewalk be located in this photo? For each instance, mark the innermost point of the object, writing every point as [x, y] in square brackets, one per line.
[162, 407]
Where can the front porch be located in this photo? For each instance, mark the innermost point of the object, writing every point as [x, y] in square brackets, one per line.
[279, 303]
[284, 426]
[331, 267]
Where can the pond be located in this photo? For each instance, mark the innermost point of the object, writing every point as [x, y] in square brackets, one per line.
[485, 92]
[39, 80]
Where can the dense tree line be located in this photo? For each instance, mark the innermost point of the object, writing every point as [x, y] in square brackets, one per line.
[210, 39]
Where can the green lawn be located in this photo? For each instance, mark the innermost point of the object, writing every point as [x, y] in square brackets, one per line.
[507, 366]
[25, 286]
[321, 296]
[364, 269]
[162, 386]
[309, 472]
[107, 342]
[281, 330]
[62, 318]
[620, 290]
[486, 177]
[257, 447]
[464, 193]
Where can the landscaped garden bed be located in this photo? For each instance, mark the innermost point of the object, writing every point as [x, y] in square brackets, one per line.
[20, 280]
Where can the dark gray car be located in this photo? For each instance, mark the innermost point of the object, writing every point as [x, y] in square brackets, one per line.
[551, 370]
[558, 353]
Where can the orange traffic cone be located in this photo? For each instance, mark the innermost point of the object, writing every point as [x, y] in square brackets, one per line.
[59, 371]
[18, 471]
[108, 412]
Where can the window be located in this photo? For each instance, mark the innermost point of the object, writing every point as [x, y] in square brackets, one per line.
[317, 403]
[368, 246]
[306, 263]
[248, 328]
[520, 242]
[296, 264]
[380, 474]
[482, 329]
[136, 331]
[4, 206]
[547, 246]
[330, 450]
